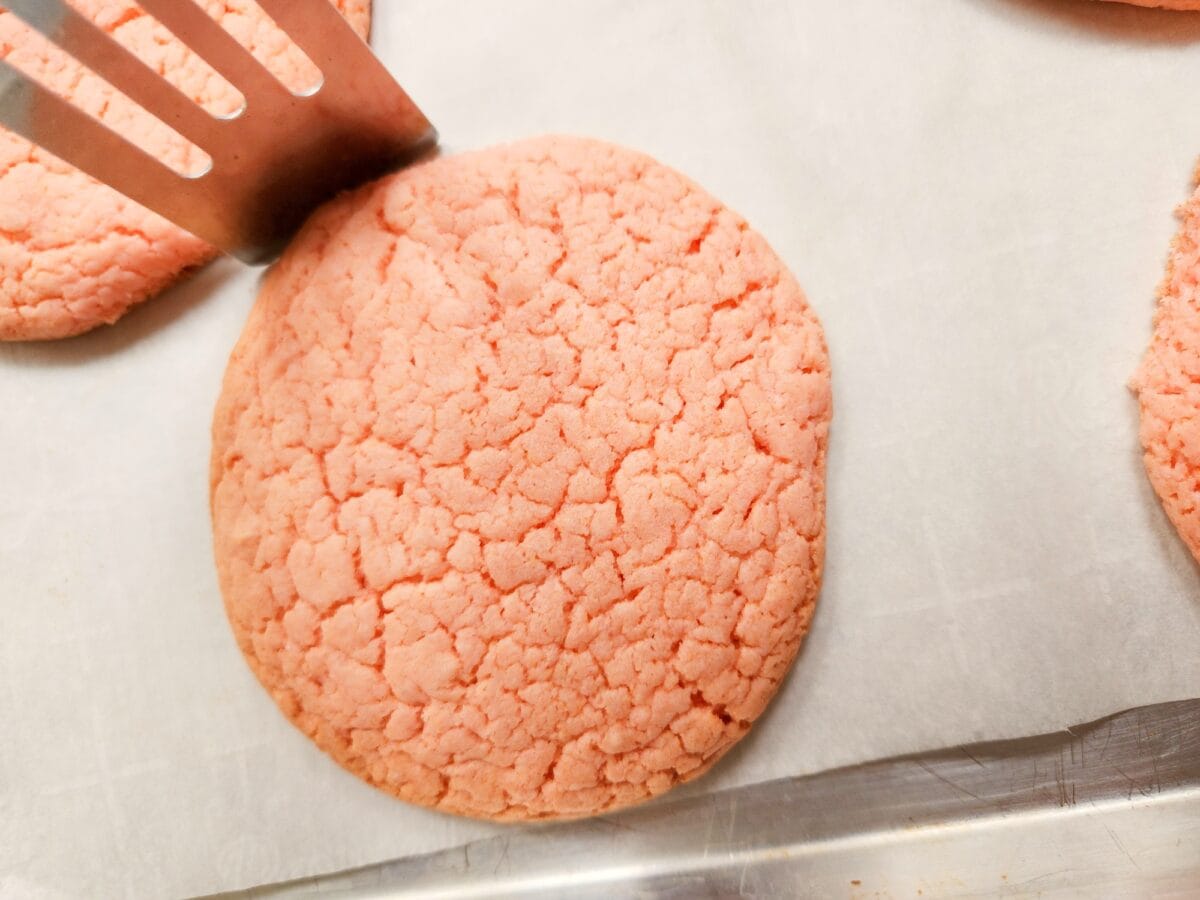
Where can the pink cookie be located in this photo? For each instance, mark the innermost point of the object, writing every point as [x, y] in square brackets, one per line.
[74, 253]
[1165, 4]
[518, 480]
[1168, 383]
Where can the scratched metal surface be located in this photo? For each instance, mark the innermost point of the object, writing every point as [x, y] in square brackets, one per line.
[1107, 809]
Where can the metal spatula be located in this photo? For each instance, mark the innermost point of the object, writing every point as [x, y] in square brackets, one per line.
[271, 163]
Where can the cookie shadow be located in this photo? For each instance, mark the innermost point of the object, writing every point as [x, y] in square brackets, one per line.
[161, 312]
[1119, 22]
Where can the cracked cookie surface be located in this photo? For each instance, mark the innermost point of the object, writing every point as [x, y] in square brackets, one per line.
[518, 480]
[74, 253]
[1168, 382]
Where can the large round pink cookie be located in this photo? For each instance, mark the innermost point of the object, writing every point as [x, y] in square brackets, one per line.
[1168, 383]
[518, 480]
[74, 253]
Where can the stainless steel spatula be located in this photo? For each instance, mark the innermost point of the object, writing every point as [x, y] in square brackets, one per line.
[272, 162]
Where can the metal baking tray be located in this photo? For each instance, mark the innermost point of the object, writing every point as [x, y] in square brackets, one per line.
[1106, 809]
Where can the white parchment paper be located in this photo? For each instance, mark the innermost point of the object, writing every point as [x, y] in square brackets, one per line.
[977, 196]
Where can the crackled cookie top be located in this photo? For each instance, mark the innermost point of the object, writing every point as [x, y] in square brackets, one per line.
[74, 253]
[1168, 383]
[518, 480]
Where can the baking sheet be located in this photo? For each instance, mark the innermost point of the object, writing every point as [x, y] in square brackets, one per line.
[976, 195]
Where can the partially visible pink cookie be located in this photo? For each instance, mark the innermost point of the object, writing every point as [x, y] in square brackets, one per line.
[518, 480]
[1164, 4]
[1168, 383]
[74, 253]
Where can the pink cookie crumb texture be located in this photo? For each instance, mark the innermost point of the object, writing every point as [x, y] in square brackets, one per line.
[518, 480]
[1168, 383]
[75, 254]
